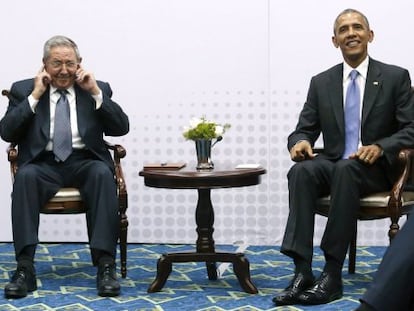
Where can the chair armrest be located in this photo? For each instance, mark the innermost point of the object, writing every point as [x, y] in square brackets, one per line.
[406, 172]
[119, 152]
[5, 93]
[12, 148]
[12, 157]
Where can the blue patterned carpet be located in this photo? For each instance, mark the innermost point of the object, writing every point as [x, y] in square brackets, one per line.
[66, 281]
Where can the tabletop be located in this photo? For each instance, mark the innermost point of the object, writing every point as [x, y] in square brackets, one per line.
[190, 178]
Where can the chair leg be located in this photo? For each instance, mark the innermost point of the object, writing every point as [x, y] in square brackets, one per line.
[394, 228]
[123, 250]
[123, 244]
[352, 251]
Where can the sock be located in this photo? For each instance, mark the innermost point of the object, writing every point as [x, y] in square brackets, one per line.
[26, 265]
[302, 266]
[333, 267]
[27, 254]
[105, 258]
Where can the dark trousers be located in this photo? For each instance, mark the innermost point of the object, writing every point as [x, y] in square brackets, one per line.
[35, 183]
[346, 181]
[393, 285]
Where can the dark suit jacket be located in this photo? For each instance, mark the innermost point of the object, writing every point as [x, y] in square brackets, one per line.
[387, 113]
[31, 131]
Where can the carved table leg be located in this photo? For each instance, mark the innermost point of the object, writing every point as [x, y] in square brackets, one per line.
[205, 251]
[205, 221]
[164, 268]
[241, 269]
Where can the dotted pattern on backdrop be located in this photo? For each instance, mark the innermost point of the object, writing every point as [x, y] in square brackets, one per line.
[253, 215]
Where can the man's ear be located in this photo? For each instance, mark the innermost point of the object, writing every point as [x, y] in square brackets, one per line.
[335, 43]
[371, 36]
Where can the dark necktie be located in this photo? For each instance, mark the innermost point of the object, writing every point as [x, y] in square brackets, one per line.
[352, 119]
[62, 138]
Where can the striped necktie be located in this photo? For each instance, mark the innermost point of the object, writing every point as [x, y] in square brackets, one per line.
[352, 116]
[62, 138]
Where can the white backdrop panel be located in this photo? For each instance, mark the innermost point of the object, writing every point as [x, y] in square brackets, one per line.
[246, 62]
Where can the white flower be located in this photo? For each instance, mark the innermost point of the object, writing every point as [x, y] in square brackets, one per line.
[219, 130]
[201, 128]
[194, 122]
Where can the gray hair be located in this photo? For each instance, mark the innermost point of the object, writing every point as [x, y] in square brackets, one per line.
[346, 11]
[59, 41]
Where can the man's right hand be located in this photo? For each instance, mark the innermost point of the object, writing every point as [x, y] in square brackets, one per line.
[41, 82]
[302, 150]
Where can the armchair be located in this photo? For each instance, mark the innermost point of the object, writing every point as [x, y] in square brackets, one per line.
[69, 201]
[392, 204]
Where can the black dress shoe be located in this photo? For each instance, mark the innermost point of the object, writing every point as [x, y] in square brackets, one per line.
[106, 281]
[299, 283]
[22, 282]
[326, 289]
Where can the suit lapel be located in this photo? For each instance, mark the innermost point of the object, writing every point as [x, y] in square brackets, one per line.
[82, 107]
[335, 89]
[372, 87]
[43, 111]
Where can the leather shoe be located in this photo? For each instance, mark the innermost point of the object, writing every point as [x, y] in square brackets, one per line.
[22, 282]
[106, 281]
[299, 283]
[326, 289]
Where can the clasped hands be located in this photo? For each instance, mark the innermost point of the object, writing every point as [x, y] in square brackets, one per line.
[302, 150]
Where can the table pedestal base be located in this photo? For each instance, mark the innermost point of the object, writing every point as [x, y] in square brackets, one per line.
[240, 267]
[204, 214]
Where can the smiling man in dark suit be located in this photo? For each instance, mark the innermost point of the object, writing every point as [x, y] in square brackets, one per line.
[83, 162]
[358, 154]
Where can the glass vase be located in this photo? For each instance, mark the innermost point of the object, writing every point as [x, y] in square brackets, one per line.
[203, 149]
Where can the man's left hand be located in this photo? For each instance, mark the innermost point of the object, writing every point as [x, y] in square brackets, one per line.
[367, 154]
[86, 80]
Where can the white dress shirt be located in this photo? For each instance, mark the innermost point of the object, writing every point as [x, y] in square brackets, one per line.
[54, 96]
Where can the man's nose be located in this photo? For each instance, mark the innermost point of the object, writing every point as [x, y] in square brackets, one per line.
[64, 68]
[351, 31]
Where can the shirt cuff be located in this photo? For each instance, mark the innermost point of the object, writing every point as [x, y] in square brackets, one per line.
[98, 100]
[382, 150]
[32, 102]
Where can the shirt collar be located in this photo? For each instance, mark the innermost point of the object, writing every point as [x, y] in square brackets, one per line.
[70, 90]
[362, 69]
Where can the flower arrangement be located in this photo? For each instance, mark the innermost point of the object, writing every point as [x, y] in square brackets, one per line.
[201, 128]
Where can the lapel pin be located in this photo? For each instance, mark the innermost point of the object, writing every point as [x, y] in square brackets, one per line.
[375, 83]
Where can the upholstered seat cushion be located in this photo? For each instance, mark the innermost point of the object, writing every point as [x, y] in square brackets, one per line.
[67, 194]
[379, 199]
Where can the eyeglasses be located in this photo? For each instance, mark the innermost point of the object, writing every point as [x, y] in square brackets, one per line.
[59, 65]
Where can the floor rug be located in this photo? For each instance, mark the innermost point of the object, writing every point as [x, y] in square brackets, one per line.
[67, 280]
